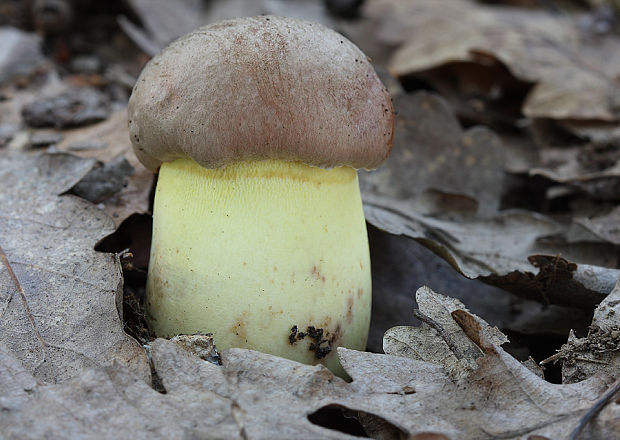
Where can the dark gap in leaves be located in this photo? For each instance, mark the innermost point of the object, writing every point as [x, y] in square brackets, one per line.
[346, 9]
[357, 423]
[152, 192]
[541, 346]
[551, 133]
[156, 383]
[134, 235]
[339, 419]
[482, 91]
[412, 83]
[526, 192]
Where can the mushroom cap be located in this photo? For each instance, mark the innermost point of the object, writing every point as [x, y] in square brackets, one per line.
[258, 88]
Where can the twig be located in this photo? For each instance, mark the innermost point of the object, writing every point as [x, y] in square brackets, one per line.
[600, 403]
[444, 335]
[22, 295]
[552, 358]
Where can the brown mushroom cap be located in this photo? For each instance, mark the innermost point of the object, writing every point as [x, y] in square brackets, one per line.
[261, 88]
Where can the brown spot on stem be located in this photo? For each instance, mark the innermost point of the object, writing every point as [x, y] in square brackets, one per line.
[239, 328]
[316, 274]
[350, 303]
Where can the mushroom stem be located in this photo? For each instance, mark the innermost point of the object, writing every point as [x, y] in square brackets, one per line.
[268, 255]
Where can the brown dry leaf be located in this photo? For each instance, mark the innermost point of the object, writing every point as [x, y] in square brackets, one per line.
[452, 349]
[536, 47]
[592, 168]
[400, 266]
[111, 142]
[607, 226]
[502, 250]
[433, 154]
[254, 395]
[59, 299]
[501, 398]
[597, 132]
[599, 351]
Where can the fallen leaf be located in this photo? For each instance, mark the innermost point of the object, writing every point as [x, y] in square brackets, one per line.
[432, 152]
[74, 107]
[536, 47]
[593, 169]
[113, 134]
[607, 226]
[599, 351]
[500, 398]
[452, 349]
[255, 395]
[497, 250]
[400, 266]
[59, 299]
[20, 54]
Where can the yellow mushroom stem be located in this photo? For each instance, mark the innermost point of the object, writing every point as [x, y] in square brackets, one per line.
[268, 255]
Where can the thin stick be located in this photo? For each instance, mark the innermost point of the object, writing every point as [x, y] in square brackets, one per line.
[22, 295]
[444, 335]
[600, 403]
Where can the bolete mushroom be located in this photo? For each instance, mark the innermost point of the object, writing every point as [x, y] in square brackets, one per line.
[257, 126]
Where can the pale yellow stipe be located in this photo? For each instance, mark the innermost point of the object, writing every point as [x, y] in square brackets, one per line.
[252, 250]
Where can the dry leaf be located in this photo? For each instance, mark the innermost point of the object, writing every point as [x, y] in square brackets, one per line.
[432, 153]
[536, 47]
[112, 136]
[254, 395]
[592, 168]
[500, 398]
[400, 266]
[498, 250]
[451, 348]
[607, 226]
[59, 299]
[599, 351]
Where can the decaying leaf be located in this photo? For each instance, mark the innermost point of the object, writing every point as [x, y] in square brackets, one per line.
[20, 54]
[58, 297]
[599, 351]
[498, 249]
[607, 226]
[536, 47]
[112, 144]
[593, 169]
[501, 398]
[400, 266]
[432, 153]
[255, 395]
[451, 348]
[74, 107]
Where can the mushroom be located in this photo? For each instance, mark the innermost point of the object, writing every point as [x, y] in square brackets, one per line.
[257, 126]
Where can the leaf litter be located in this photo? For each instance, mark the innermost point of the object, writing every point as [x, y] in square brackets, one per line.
[59, 297]
[255, 395]
[544, 87]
